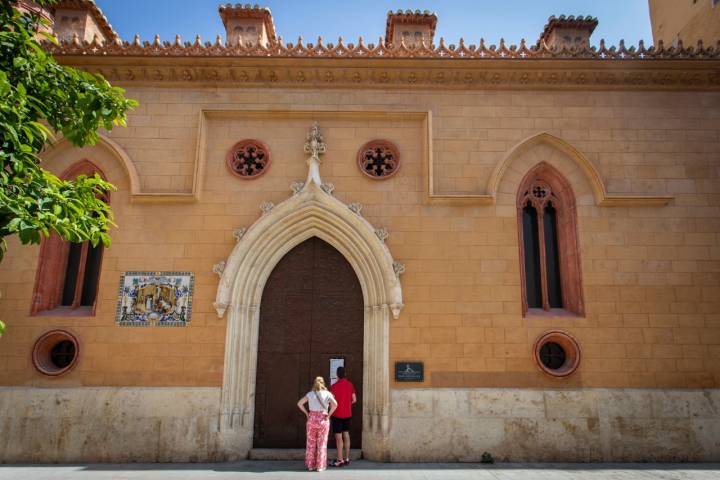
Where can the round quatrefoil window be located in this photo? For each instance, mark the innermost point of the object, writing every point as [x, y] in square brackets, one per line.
[55, 353]
[557, 353]
[248, 159]
[379, 159]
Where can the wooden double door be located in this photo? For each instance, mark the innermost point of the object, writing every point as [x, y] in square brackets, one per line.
[311, 311]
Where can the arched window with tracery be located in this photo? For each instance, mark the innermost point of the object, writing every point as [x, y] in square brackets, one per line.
[549, 249]
[68, 274]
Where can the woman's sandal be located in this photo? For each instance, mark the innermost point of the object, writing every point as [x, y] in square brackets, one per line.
[337, 463]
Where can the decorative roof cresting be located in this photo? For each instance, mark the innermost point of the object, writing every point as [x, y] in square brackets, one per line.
[380, 51]
[385, 48]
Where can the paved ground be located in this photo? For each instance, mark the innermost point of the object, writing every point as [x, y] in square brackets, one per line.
[364, 470]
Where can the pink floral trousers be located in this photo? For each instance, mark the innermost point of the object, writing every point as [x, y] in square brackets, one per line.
[317, 428]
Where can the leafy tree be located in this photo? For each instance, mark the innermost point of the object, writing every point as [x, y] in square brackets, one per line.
[38, 96]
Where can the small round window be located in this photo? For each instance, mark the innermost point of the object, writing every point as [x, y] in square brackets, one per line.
[557, 353]
[248, 159]
[55, 353]
[552, 355]
[379, 159]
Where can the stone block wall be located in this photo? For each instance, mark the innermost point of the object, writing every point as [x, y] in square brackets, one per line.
[651, 275]
[64, 425]
[588, 425]
[180, 424]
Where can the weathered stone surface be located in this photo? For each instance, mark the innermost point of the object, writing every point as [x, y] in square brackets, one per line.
[506, 403]
[109, 424]
[182, 425]
[555, 425]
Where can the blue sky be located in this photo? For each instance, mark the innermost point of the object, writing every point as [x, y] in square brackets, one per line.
[490, 19]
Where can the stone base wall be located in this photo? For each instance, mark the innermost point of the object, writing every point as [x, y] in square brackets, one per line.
[68, 425]
[524, 425]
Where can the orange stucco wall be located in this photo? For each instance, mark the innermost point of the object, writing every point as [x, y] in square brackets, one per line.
[651, 275]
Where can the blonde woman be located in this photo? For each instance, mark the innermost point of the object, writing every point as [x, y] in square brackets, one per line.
[322, 404]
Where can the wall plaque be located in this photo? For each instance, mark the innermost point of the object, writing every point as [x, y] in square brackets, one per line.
[161, 299]
[409, 372]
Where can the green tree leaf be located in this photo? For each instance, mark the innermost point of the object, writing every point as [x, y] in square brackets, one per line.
[39, 97]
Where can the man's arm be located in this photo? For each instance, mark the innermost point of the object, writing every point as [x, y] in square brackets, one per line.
[354, 398]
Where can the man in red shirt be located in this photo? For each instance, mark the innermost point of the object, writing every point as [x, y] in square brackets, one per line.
[344, 392]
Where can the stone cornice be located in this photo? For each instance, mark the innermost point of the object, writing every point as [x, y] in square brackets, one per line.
[387, 73]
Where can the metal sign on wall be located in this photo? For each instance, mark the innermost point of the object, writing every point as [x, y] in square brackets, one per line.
[409, 372]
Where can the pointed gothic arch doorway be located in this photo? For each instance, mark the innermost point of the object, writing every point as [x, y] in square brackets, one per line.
[311, 211]
[311, 311]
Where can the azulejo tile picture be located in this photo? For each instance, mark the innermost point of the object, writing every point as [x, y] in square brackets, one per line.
[161, 299]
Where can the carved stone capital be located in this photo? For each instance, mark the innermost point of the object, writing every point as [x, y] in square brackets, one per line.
[219, 268]
[220, 308]
[398, 268]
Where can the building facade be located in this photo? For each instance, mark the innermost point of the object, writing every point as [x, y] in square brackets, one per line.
[687, 21]
[513, 249]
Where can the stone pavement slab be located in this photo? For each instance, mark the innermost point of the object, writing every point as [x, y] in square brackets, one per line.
[267, 470]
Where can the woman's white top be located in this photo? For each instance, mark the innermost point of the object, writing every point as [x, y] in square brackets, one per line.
[313, 402]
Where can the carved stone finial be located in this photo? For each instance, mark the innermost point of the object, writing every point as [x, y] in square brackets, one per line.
[219, 268]
[356, 207]
[328, 187]
[315, 146]
[382, 234]
[266, 207]
[238, 233]
[398, 268]
[297, 186]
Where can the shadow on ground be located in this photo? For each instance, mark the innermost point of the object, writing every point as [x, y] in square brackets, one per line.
[263, 466]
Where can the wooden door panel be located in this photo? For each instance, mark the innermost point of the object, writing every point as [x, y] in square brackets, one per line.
[311, 311]
[276, 421]
[284, 332]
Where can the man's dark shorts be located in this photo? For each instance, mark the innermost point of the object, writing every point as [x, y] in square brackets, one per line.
[340, 425]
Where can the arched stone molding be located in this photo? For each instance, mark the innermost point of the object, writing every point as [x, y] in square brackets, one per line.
[590, 172]
[310, 211]
[113, 148]
[531, 156]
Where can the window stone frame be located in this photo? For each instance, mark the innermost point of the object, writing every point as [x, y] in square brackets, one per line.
[52, 263]
[567, 239]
